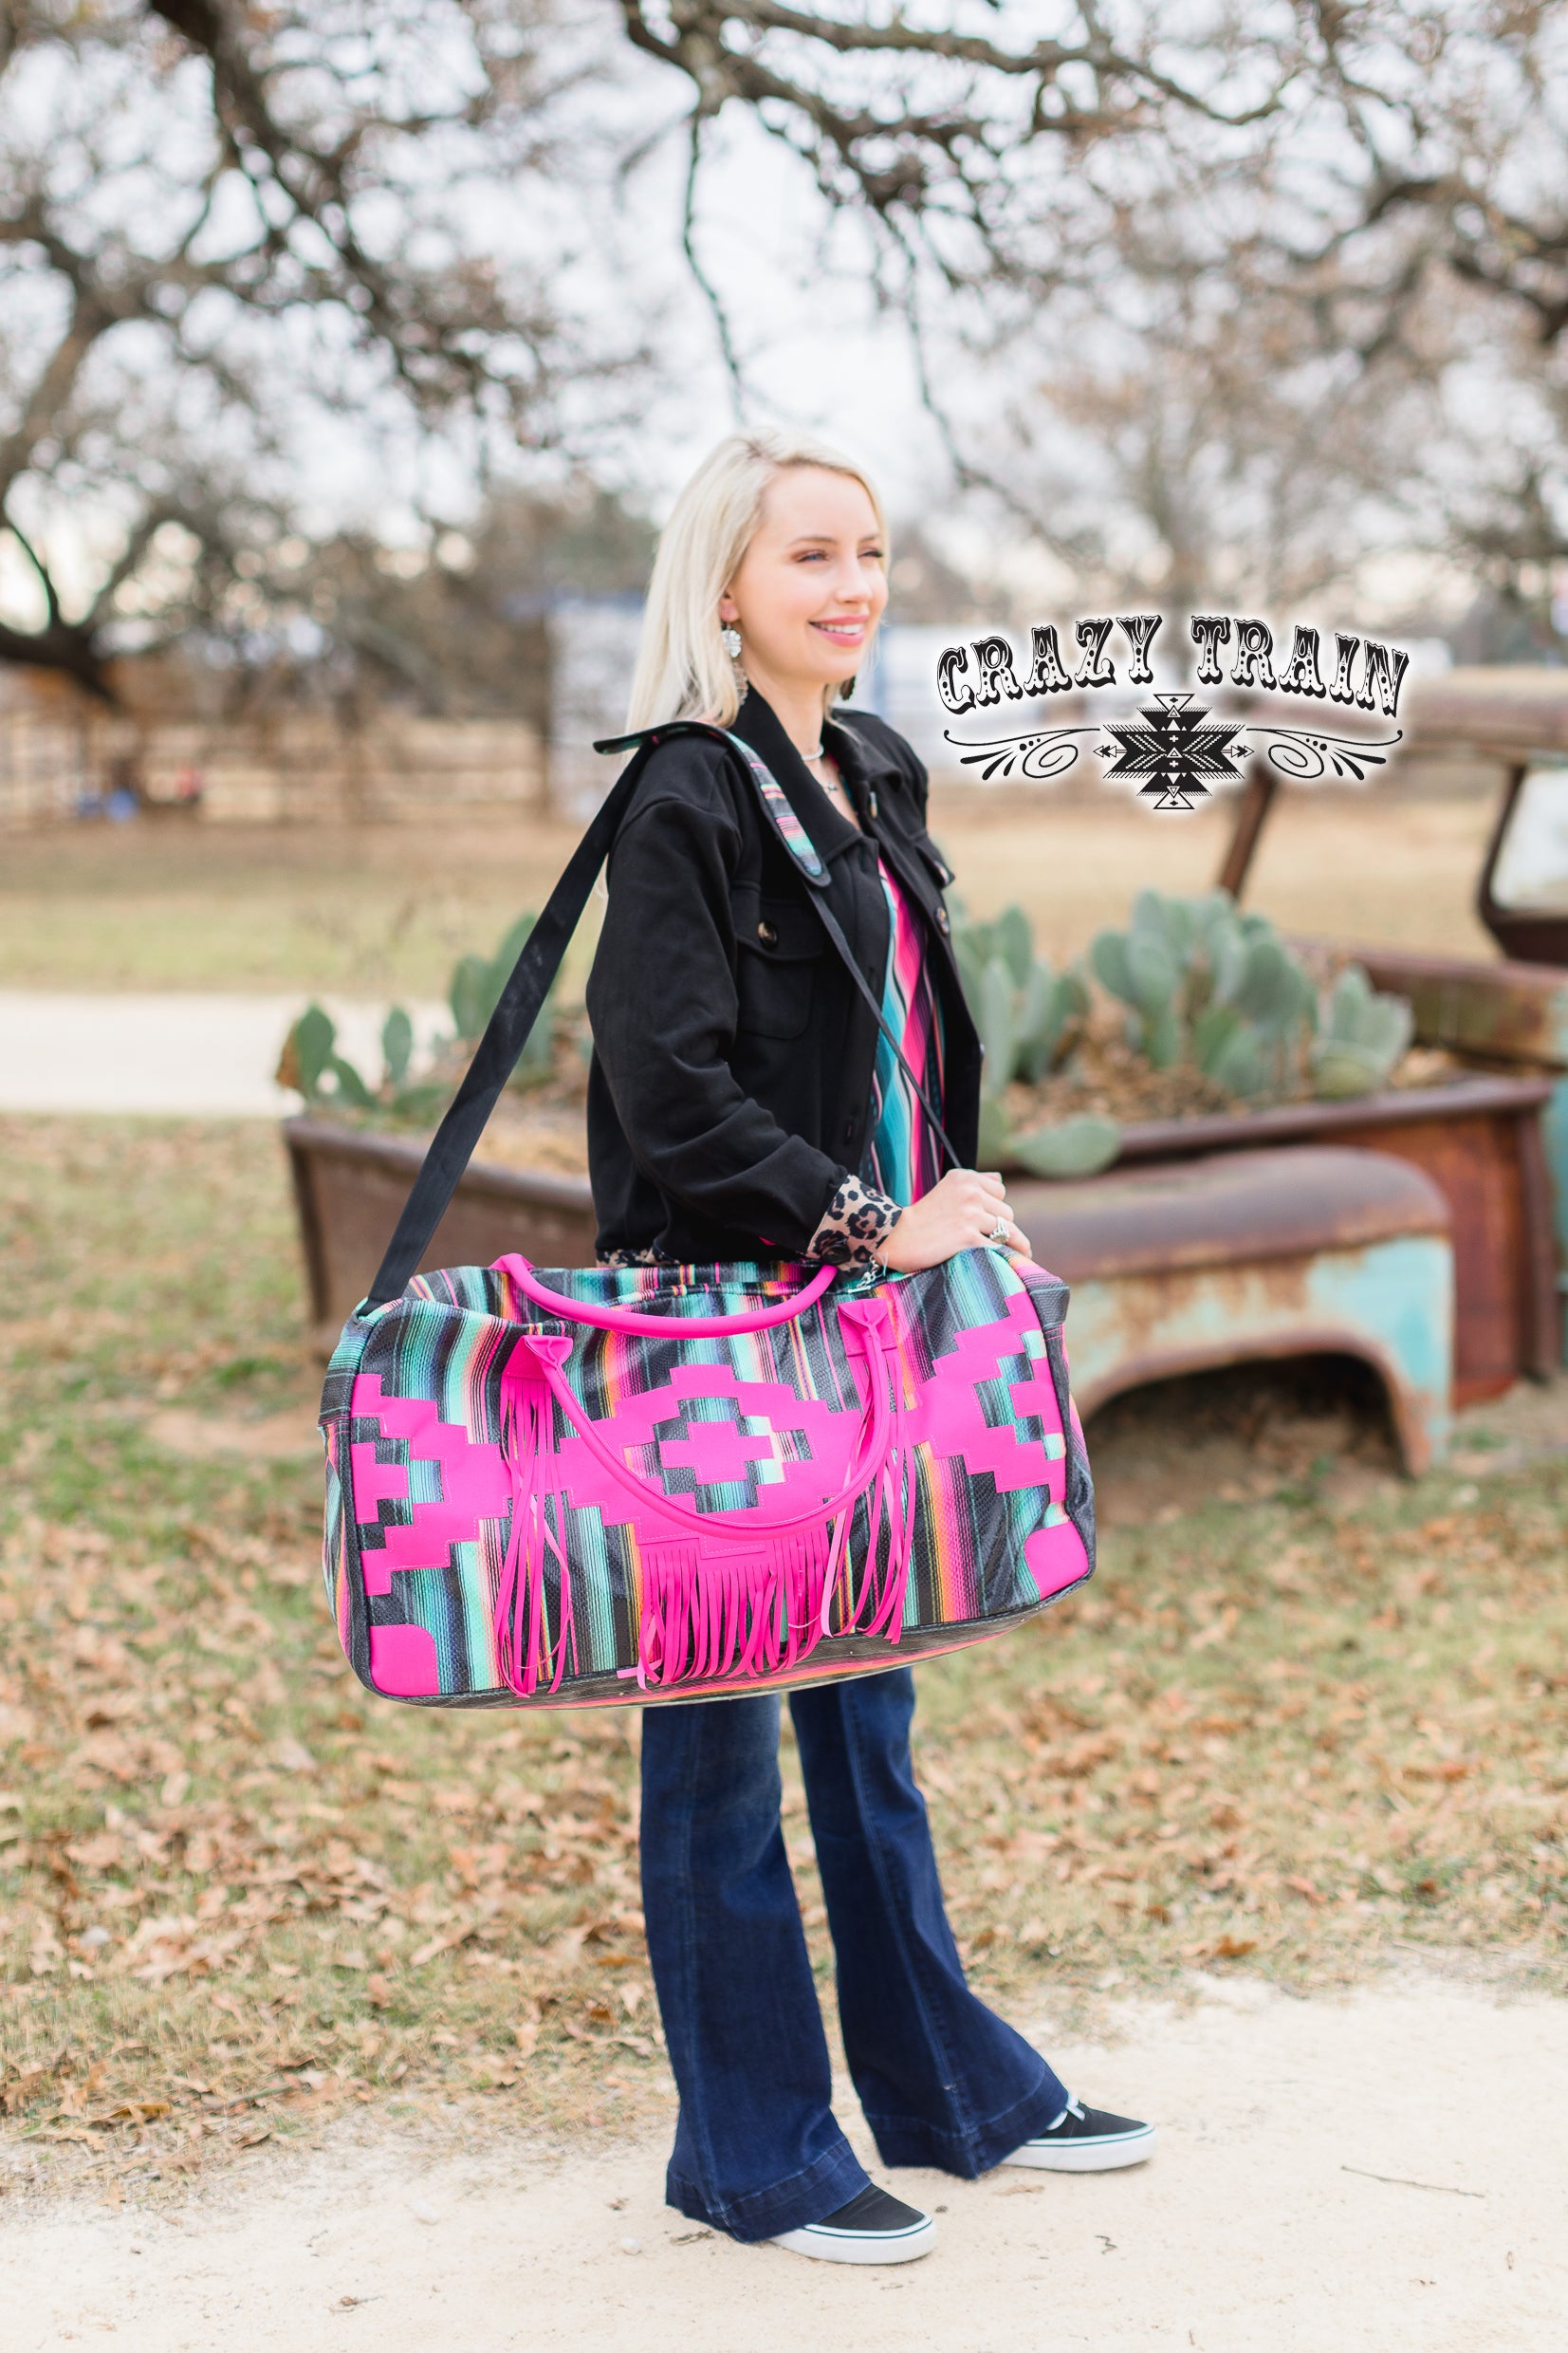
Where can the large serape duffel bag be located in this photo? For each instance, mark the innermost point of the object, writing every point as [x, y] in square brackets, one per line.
[617, 1485]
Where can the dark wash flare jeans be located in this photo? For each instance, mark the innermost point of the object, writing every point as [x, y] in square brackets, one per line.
[942, 2081]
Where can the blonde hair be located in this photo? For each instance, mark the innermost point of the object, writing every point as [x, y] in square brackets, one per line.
[682, 669]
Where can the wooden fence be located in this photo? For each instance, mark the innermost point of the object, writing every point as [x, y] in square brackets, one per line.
[60, 754]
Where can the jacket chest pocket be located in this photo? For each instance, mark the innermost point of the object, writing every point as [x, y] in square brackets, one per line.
[938, 875]
[933, 861]
[780, 945]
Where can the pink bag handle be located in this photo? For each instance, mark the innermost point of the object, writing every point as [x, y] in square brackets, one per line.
[659, 1326]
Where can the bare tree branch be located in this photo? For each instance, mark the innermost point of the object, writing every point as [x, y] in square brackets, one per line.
[709, 292]
[45, 579]
[1348, 176]
[336, 160]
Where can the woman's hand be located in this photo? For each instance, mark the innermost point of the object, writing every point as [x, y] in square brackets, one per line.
[957, 1215]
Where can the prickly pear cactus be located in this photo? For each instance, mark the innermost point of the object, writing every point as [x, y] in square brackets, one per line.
[1030, 1017]
[1208, 985]
[1361, 1036]
[311, 1065]
[1078, 1147]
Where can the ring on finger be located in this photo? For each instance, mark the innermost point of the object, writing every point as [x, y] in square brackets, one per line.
[1000, 1231]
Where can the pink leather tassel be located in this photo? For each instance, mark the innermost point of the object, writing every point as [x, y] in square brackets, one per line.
[524, 1649]
[565, 1626]
[519, 1455]
[830, 1580]
[888, 1619]
[720, 1600]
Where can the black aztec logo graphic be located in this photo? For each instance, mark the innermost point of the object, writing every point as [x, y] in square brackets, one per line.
[1175, 748]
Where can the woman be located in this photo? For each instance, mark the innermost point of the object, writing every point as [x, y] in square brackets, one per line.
[742, 1104]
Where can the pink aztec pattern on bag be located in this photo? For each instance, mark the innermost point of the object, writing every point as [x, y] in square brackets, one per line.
[646, 1483]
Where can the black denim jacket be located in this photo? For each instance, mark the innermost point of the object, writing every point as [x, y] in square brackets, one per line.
[731, 1090]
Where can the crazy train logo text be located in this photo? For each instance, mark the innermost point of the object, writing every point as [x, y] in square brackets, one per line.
[1175, 747]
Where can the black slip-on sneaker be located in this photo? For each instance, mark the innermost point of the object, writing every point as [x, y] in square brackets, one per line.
[1086, 2141]
[873, 2228]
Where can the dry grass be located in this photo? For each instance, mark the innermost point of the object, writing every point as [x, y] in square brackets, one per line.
[1342, 865]
[1293, 1724]
[386, 909]
[367, 910]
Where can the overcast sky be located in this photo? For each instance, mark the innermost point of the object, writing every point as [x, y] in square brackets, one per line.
[814, 351]
[797, 293]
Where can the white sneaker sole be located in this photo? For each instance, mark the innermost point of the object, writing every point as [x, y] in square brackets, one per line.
[1087, 2156]
[828, 2246]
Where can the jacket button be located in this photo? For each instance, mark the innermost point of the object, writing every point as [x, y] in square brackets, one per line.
[766, 933]
[941, 918]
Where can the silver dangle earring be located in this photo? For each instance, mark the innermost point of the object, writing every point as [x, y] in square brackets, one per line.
[729, 637]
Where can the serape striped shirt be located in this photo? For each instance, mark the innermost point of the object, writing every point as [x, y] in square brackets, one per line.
[903, 1158]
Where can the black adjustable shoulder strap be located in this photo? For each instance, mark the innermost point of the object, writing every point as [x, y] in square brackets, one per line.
[495, 1058]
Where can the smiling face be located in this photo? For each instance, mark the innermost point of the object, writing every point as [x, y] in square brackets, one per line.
[811, 587]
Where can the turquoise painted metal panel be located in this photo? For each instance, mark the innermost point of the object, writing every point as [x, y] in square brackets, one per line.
[1555, 1129]
[1388, 1302]
[1508, 1013]
[1399, 1293]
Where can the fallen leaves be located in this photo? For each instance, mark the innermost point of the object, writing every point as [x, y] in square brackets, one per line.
[447, 1942]
[134, 2112]
[1255, 1763]
[249, 1893]
[197, 1839]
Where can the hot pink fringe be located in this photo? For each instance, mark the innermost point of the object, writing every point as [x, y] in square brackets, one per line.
[706, 1618]
[525, 1651]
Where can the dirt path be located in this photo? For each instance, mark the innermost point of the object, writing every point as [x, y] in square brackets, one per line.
[173, 1054]
[1263, 2226]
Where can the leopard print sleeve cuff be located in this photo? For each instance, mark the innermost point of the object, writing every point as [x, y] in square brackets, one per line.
[854, 1226]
